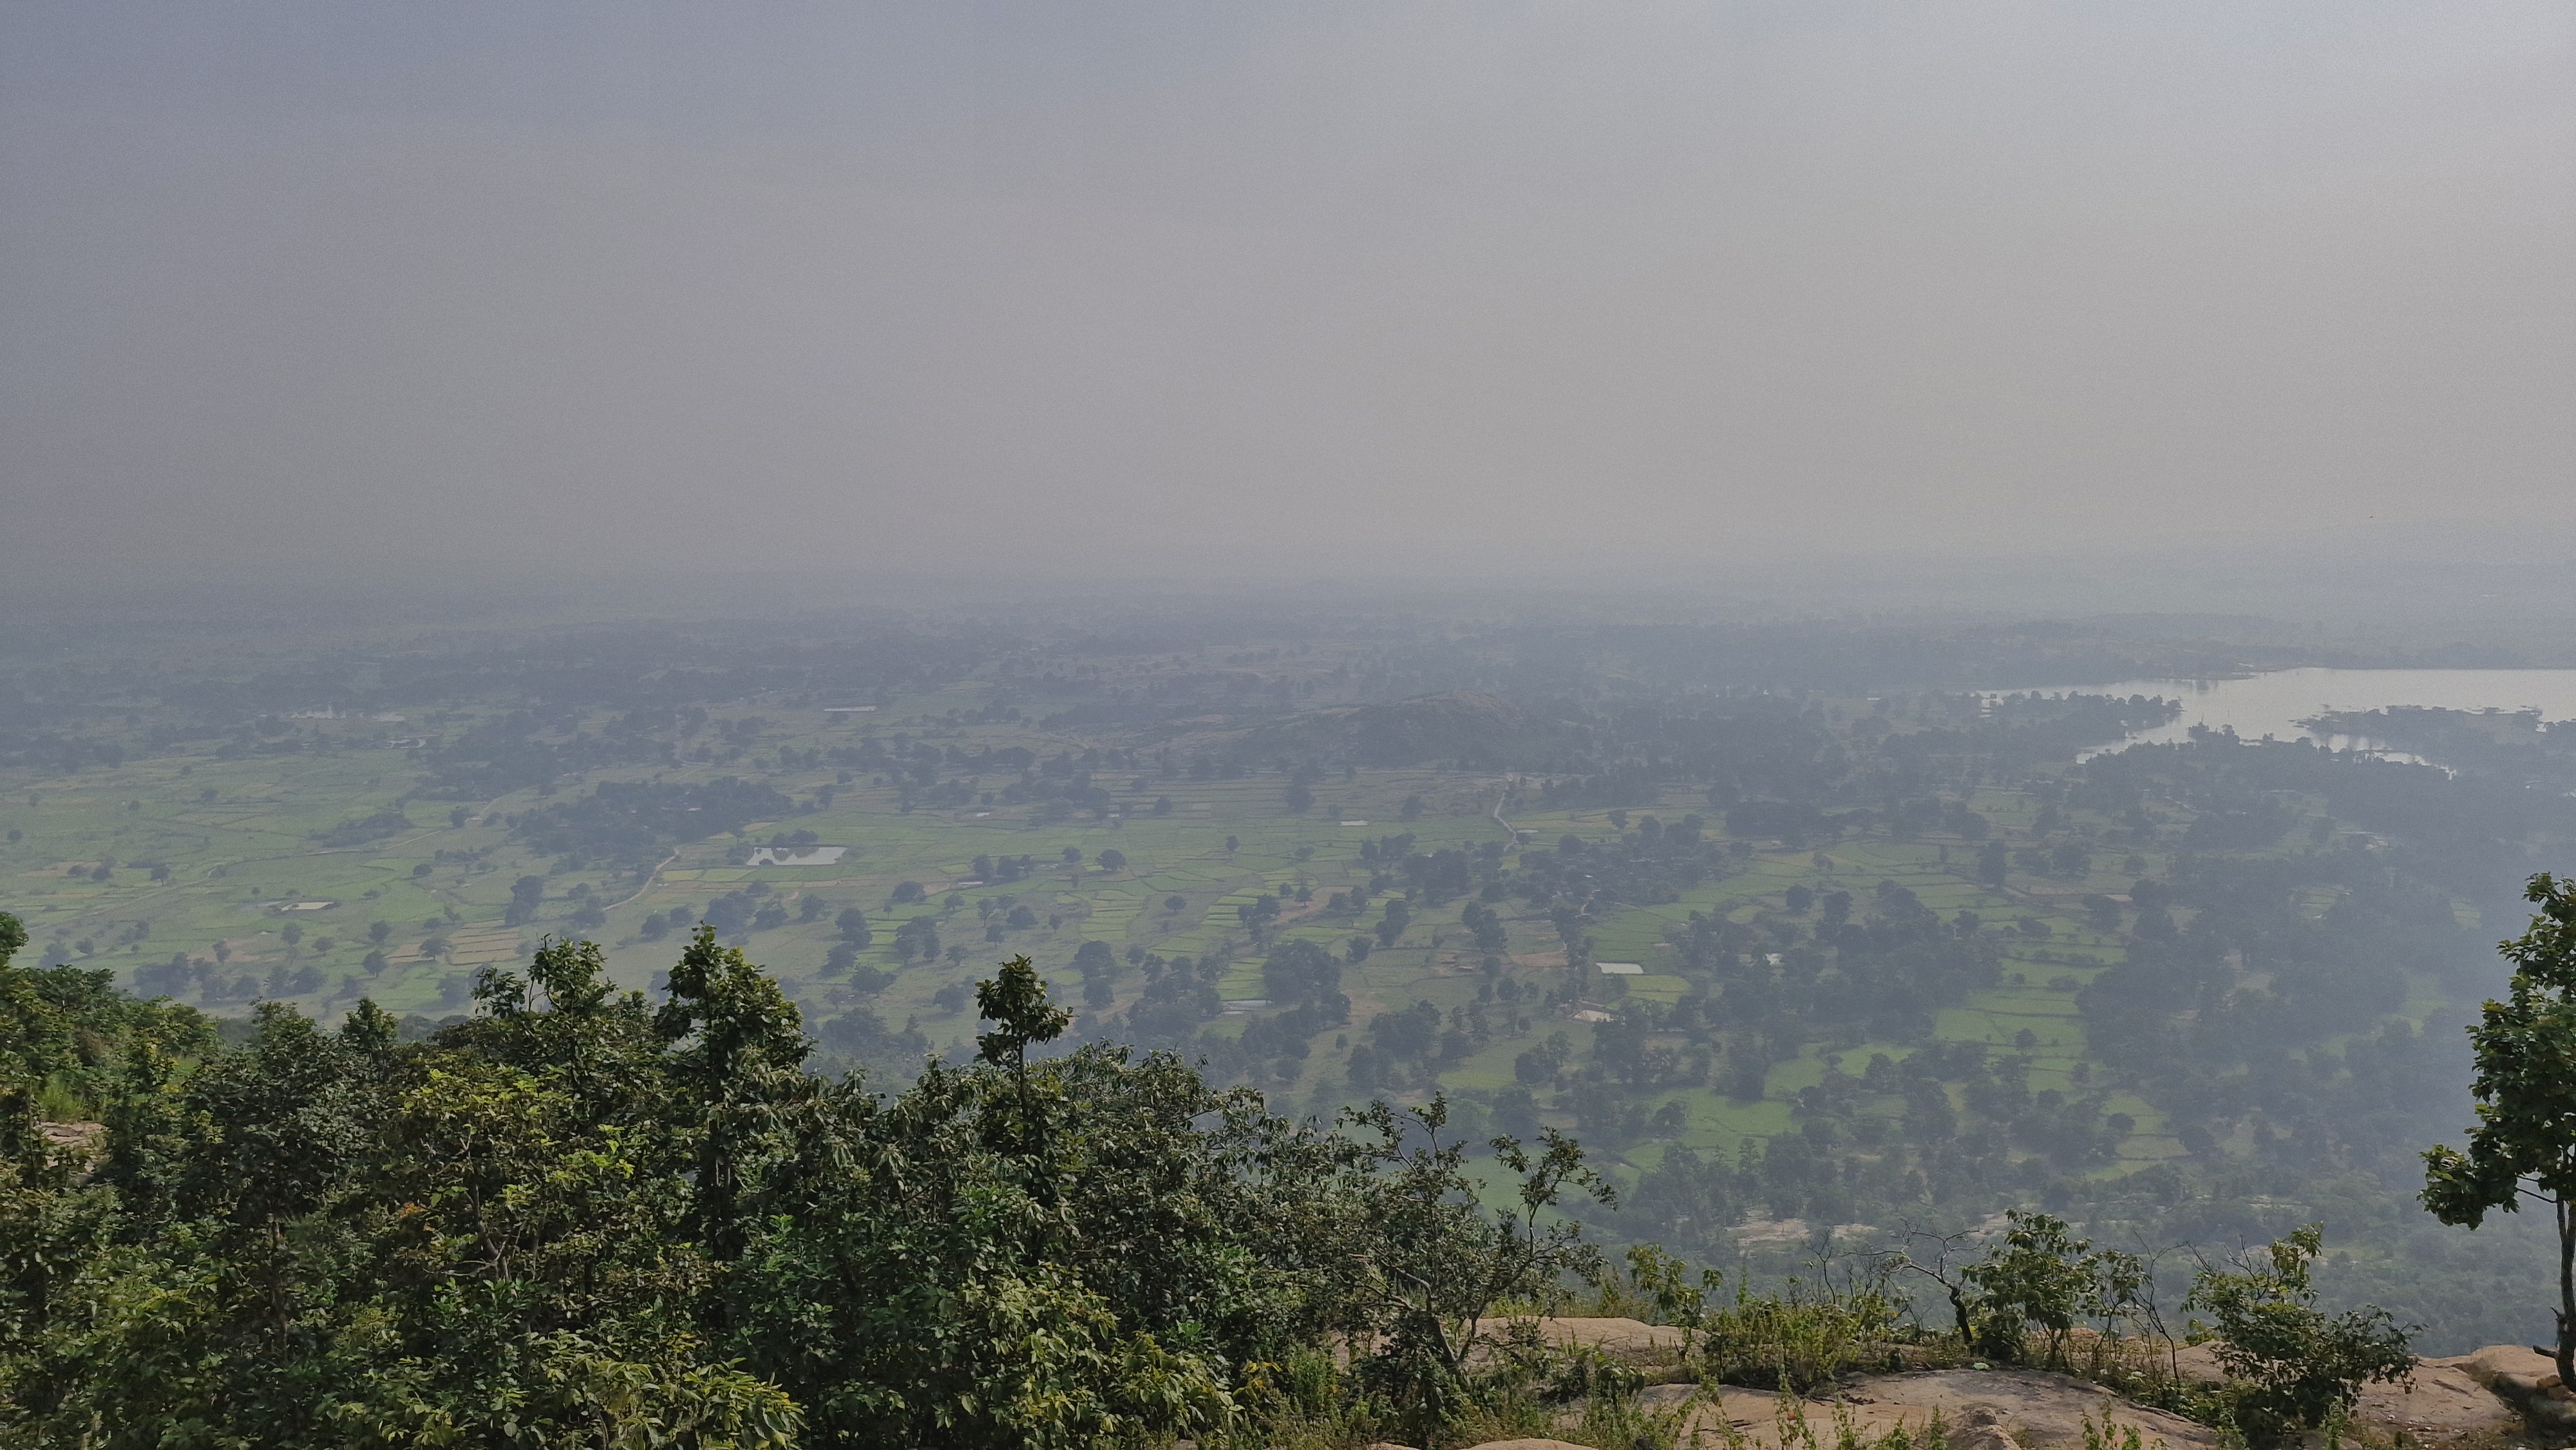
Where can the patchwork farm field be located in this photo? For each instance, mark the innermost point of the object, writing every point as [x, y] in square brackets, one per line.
[327, 874]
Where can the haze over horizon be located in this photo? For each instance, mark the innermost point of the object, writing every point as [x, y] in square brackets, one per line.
[989, 724]
[1172, 293]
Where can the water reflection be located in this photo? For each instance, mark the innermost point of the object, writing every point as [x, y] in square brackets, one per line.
[2272, 704]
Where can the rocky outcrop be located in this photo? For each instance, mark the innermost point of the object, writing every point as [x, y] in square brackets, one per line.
[2013, 1409]
[2521, 1377]
[79, 1147]
[76, 1138]
[2470, 1398]
[2437, 1403]
[2441, 1400]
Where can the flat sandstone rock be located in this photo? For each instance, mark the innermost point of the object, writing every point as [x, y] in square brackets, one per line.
[2037, 1408]
[2470, 1396]
[1992, 1409]
[2521, 1377]
[1632, 1340]
[2437, 1402]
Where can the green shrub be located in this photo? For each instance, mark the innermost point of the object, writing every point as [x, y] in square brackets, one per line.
[2040, 1281]
[2290, 1364]
[1799, 1340]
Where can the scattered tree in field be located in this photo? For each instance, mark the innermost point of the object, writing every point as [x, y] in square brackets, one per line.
[1399, 915]
[853, 926]
[1992, 864]
[1258, 915]
[526, 894]
[917, 937]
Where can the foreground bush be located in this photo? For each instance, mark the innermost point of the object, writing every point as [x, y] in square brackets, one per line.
[580, 1219]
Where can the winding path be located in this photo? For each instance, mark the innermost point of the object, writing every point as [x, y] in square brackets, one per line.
[649, 878]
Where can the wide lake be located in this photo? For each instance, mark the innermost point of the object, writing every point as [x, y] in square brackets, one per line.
[2273, 703]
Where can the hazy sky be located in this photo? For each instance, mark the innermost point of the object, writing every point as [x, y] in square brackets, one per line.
[1189, 288]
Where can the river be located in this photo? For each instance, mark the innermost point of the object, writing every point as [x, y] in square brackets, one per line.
[2274, 702]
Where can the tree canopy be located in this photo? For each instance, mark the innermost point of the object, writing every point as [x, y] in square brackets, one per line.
[582, 1217]
[2524, 1146]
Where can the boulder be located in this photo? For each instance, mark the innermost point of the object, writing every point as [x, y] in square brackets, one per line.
[1983, 1429]
[2197, 1364]
[80, 1137]
[78, 1147]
